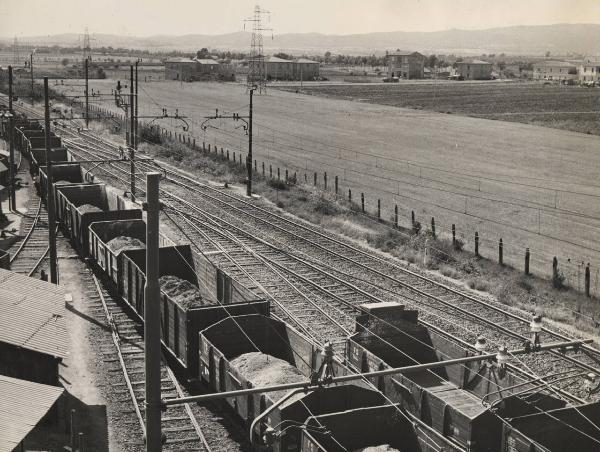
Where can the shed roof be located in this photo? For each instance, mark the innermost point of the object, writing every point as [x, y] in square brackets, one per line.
[24, 404]
[404, 53]
[274, 59]
[305, 61]
[32, 314]
[179, 60]
[206, 61]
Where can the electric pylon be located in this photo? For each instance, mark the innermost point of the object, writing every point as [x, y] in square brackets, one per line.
[87, 49]
[256, 64]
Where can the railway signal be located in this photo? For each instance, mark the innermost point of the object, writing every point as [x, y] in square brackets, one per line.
[247, 120]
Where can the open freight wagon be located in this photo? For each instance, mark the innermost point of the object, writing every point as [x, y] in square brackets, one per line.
[63, 174]
[79, 205]
[181, 318]
[386, 427]
[450, 398]
[256, 350]
[552, 429]
[38, 158]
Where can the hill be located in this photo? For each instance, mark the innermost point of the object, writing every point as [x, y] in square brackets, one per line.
[518, 40]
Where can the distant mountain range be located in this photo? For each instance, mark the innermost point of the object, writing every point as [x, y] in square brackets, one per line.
[558, 39]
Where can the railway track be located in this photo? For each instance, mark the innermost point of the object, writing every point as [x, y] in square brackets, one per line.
[32, 248]
[126, 348]
[322, 295]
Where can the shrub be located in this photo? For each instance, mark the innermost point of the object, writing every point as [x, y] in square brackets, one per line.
[416, 227]
[280, 204]
[277, 184]
[450, 272]
[478, 284]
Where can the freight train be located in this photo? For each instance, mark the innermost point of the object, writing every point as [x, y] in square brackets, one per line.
[223, 336]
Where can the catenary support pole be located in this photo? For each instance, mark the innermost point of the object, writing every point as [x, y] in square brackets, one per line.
[249, 156]
[49, 191]
[31, 70]
[152, 317]
[132, 137]
[11, 142]
[87, 96]
[136, 142]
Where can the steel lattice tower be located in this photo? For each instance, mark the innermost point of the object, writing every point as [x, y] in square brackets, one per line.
[256, 63]
[87, 48]
[16, 56]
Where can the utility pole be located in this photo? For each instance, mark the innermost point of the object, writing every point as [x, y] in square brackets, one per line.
[11, 141]
[87, 98]
[132, 137]
[249, 156]
[49, 191]
[152, 317]
[31, 69]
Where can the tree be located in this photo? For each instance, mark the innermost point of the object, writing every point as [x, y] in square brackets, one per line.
[327, 56]
[65, 61]
[202, 53]
[431, 61]
[547, 54]
[501, 65]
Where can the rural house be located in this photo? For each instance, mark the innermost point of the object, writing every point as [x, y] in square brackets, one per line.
[589, 71]
[409, 65]
[474, 70]
[554, 70]
[300, 69]
[190, 70]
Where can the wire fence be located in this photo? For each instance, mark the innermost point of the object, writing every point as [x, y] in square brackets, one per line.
[462, 220]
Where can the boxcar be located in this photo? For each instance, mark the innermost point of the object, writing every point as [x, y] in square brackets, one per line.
[180, 326]
[76, 223]
[385, 425]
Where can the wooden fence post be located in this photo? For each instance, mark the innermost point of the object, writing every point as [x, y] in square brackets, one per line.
[349, 195]
[433, 227]
[271, 171]
[396, 215]
[325, 180]
[263, 168]
[412, 218]
[500, 252]
[315, 178]
[453, 235]
[476, 243]
[587, 280]
[527, 256]
[362, 201]
[378, 209]
[278, 174]
[336, 185]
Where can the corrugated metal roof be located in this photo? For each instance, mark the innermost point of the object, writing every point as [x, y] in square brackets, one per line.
[32, 314]
[24, 404]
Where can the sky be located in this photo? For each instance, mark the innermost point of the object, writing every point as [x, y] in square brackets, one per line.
[178, 17]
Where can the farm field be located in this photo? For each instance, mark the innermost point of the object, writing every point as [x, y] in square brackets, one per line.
[531, 186]
[564, 107]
